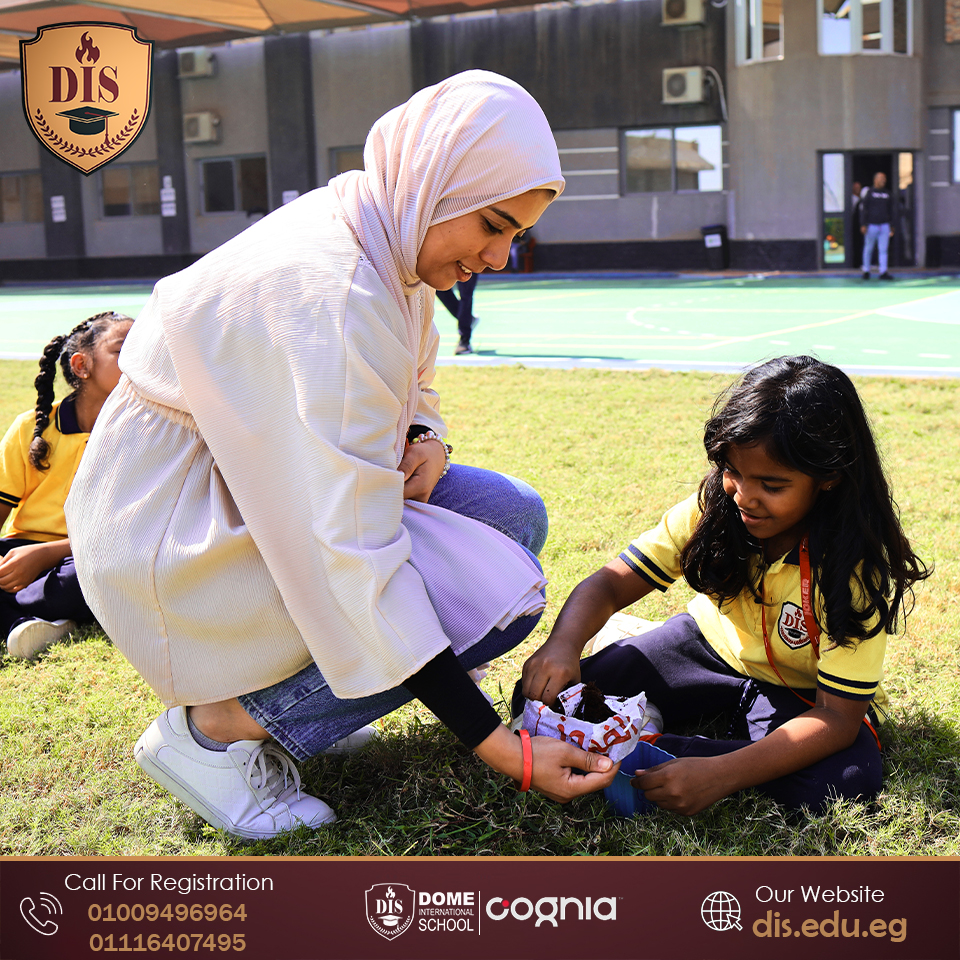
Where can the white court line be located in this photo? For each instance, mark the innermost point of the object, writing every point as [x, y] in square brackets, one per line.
[615, 337]
[562, 295]
[951, 321]
[725, 366]
[822, 323]
[9, 310]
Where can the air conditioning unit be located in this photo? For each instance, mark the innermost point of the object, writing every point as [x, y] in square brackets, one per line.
[677, 13]
[201, 128]
[196, 62]
[683, 85]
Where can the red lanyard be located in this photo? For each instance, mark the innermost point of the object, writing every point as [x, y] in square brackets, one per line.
[813, 631]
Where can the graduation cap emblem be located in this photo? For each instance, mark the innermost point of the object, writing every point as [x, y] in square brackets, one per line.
[86, 90]
[87, 120]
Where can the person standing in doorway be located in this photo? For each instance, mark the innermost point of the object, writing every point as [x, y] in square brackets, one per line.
[876, 224]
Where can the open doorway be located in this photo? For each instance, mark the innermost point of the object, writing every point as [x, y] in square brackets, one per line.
[844, 175]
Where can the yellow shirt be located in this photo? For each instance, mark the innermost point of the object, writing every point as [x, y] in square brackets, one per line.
[37, 496]
[735, 632]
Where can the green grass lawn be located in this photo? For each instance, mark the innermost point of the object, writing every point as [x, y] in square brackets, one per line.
[608, 452]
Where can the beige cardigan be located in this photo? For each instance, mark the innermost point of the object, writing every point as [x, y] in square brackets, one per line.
[238, 510]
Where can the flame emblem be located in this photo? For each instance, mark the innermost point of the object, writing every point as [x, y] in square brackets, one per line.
[87, 47]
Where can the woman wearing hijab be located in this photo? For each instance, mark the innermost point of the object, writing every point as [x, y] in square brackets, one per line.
[264, 518]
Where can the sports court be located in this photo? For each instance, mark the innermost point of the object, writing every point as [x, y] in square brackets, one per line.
[909, 327]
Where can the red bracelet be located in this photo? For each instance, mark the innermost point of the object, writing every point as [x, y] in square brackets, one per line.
[527, 760]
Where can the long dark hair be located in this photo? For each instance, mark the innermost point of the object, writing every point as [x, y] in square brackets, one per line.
[808, 416]
[81, 339]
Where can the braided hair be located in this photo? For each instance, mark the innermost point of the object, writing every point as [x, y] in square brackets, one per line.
[81, 339]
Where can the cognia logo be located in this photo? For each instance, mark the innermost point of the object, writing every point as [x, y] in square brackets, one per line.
[721, 911]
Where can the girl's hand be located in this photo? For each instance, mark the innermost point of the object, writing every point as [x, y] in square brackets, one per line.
[421, 467]
[22, 565]
[690, 784]
[686, 785]
[557, 766]
[548, 671]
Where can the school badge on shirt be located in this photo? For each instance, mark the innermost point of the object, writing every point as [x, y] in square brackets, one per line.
[86, 90]
[790, 626]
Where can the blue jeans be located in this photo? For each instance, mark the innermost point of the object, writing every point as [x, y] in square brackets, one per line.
[878, 234]
[301, 712]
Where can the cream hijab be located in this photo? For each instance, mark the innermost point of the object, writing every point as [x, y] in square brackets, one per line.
[453, 148]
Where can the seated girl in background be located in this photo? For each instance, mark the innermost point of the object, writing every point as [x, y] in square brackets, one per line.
[40, 598]
[794, 547]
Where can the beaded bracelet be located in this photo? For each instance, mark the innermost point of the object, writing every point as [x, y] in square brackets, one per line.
[433, 435]
[527, 761]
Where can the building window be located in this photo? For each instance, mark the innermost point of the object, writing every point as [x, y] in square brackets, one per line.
[21, 198]
[759, 30]
[865, 26]
[666, 159]
[234, 184]
[130, 190]
[956, 146]
[343, 159]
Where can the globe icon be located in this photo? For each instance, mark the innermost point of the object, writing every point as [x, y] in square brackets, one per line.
[721, 911]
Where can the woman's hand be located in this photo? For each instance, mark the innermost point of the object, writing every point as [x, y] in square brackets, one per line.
[421, 467]
[561, 771]
[22, 565]
[550, 670]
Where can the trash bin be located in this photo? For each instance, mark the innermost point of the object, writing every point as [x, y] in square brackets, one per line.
[718, 247]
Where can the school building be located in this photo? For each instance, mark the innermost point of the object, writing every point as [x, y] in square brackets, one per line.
[752, 118]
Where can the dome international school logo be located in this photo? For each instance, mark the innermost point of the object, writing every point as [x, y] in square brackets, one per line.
[390, 909]
[721, 911]
[86, 90]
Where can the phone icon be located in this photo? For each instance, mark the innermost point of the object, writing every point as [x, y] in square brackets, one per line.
[51, 904]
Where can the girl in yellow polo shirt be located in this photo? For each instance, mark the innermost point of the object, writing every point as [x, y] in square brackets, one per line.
[40, 598]
[794, 547]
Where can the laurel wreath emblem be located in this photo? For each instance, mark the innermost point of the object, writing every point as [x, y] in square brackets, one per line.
[109, 145]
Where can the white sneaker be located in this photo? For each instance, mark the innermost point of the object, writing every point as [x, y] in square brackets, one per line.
[618, 627]
[476, 675]
[353, 742]
[251, 790]
[652, 720]
[479, 673]
[31, 637]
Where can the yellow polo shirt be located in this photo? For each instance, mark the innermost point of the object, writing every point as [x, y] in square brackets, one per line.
[37, 496]
[735, 632]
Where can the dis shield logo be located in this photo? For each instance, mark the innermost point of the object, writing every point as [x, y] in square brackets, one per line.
[390, 908]
[86, 90]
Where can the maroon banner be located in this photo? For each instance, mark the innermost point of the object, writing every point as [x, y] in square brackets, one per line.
[422, 909]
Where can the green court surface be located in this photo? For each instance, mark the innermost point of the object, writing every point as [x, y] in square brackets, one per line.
[908, 327]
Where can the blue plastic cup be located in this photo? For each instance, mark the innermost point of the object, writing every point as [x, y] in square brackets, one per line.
[625, 799]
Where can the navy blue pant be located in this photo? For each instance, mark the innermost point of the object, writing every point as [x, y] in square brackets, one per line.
[682, 675]
[461, 307]
[55, 595]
